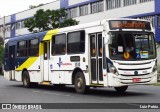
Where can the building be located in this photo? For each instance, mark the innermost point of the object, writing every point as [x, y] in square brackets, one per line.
[89, 11]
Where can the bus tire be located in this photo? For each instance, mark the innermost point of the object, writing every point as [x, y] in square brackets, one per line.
[80, 83]
[26, 79]
[121, 89]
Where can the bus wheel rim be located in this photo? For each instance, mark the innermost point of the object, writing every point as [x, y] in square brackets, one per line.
[79, 83]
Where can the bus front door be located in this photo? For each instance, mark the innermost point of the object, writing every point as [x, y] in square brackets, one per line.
[46, 57]
[96, 54]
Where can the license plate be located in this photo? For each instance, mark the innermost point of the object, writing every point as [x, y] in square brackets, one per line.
[136, 80]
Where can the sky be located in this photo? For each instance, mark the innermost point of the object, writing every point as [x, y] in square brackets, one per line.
[8, 7]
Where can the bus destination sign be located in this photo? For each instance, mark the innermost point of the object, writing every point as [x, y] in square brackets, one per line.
[129, 24]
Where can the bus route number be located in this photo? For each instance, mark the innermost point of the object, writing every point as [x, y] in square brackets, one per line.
[77, 64]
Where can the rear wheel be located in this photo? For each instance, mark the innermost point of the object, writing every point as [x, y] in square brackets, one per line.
[121, 89]
[80, 83]
[26, 79]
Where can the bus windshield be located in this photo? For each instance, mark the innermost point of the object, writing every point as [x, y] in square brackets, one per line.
[132, 46]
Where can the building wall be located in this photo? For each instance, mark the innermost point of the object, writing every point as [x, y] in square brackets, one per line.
[73, 2]
[21, 16]
[122, 11]
[119, 12]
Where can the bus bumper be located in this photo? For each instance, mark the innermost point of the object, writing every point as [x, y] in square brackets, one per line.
[119, 80]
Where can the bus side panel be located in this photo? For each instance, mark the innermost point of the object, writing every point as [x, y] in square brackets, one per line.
[34, 71]
[55, 77]
[68, 76]
[6, 65]
[7, 75]
[87, 77]
[18, 75]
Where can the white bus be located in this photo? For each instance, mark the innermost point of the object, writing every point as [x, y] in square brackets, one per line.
[108, 53]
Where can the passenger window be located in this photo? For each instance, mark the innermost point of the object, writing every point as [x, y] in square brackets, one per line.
[22, 49]
[76, 42]
[34, 47]
[59, 44]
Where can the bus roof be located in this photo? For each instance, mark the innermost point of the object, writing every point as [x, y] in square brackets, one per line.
[69, 28]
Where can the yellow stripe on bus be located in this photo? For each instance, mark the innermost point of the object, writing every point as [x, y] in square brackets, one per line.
[31, 60]
[41, 49]
[50, 33]
[27, 63]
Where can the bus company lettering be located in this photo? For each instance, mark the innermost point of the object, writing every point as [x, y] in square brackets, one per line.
[132, 25]
[60, 63]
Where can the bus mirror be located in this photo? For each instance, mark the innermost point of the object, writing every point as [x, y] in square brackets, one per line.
[107, 41]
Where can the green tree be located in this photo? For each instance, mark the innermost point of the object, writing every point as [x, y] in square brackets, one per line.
[49, 19]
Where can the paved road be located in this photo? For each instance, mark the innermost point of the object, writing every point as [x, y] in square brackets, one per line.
[13, 92]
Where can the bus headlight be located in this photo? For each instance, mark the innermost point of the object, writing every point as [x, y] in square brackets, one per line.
[112, 69]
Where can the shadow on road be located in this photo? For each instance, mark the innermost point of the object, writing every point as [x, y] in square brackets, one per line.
[99, 92]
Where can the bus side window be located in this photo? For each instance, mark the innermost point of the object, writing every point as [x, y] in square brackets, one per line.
[22, 49]
[59, 44]
[93, 46]
[76, 42]
[34, 47]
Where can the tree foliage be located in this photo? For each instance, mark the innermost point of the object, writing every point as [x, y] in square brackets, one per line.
[49, 19]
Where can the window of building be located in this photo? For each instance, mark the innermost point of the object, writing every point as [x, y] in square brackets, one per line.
[129, 2]
[111, 4]
[22, 49]
[141, 1]
[76, 42]
[59, 44]
[22, 24]
[83, 10]
[34, 47]
[13, 26]
[18, 25]
[150, 19]
[8, 28]
[97, 7]
[73, 12]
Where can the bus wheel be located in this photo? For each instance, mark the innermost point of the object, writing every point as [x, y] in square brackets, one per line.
[26, 79]
[121, 89]
[80, 83]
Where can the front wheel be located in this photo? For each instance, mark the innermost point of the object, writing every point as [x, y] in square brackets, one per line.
[80, 83]
[121, 89]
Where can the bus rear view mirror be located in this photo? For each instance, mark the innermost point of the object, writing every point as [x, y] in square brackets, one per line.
[107, 41]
